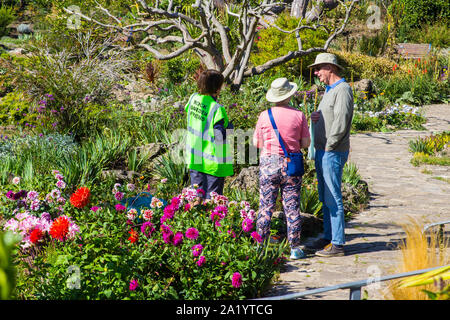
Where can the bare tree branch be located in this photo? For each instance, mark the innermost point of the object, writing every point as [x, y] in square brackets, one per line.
[226, 48]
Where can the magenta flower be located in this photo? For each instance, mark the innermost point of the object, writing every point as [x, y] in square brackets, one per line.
[147, 229]
[95, 208]
[247, 225]
[133, 285]
[256, 236]
[197, 250]
[236, 280]
[201, 191]
[177, 239]
[175, 203]
[118, 195]
[167, 234]
[192, 233]
[120, 207]
[201, 261]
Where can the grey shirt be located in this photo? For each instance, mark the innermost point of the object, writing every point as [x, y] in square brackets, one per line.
[332, 131]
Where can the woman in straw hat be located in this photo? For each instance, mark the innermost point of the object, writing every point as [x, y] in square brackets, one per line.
[293, 128]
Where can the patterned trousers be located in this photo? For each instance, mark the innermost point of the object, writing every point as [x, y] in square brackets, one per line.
[272, 178]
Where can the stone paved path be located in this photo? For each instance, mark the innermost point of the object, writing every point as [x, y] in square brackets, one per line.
[398, 190]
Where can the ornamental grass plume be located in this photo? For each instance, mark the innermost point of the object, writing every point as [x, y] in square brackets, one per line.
[419, 250]
[80, 198]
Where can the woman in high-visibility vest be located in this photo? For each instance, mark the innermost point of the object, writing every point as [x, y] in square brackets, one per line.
[208, 154]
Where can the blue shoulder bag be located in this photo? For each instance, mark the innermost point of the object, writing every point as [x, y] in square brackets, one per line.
[295, 167]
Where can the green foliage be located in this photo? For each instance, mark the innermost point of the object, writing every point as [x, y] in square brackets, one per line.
[431, 150]
[7, 270]
[360, 66]
[430, 145]
[418, 12]
[178, 69]
[17, 110]
[30, 156]
[7, 15]
[271, 43]
[375, 45]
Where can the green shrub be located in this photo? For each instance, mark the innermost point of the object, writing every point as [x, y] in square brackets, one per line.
[7, 15]
[418, 12]
[271, 43]
[360, 66]
[72, 89]
[17, 110]
[374, 45]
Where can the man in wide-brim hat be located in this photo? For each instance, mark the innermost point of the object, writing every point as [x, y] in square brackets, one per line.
[332, 124]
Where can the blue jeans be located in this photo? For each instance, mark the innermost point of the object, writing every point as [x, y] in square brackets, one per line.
[329, 166]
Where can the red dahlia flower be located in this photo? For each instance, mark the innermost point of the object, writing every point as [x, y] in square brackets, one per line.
[134, 236]
[80, 198]
[36, 235]
[60, 228]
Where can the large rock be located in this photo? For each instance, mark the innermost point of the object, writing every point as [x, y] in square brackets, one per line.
[247, 179]
[152, 150]
[364, 85]
[120, 176]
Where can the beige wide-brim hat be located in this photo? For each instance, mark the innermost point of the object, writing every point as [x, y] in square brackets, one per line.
[281, 89]
[325, 58]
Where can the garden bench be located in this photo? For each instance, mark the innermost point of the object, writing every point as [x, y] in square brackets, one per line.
[413, 50]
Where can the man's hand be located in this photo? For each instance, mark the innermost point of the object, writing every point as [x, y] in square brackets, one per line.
[315, 116]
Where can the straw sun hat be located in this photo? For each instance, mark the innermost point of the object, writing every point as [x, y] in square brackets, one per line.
[325, 58]
[280, 90]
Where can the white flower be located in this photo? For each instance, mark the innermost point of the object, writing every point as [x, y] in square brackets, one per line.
[16, 180]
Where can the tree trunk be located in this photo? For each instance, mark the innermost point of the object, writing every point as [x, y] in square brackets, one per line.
[317, 9]
[298, 8]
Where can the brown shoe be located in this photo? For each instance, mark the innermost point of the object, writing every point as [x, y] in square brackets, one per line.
[331, 251]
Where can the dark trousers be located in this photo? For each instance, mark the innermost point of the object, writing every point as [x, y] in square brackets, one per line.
[207, 182]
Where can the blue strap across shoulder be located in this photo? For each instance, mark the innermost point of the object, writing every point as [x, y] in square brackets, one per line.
[277, 132]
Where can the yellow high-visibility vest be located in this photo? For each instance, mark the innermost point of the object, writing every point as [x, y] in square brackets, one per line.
[207, 151]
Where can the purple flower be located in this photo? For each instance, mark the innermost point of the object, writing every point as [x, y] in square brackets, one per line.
[201, 261]
[236, 280]
[177, 239]
[197, 250]
[247, 225]
[133, 285]
[120, 207]
[95, 208]
[118, 195]
[192, 233]
[167, 234]
[256, 236]
[147, 229]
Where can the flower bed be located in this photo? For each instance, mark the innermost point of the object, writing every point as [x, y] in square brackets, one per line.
[186, 249]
